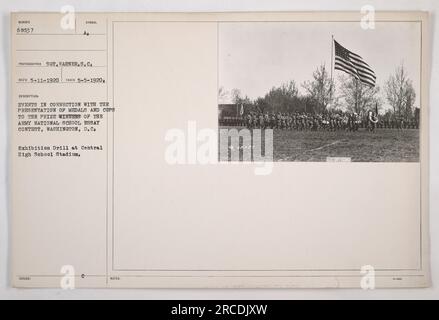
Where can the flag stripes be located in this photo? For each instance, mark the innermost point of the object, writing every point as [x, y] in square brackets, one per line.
[353, 64]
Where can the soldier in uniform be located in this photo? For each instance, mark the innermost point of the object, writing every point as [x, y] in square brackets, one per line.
[248, 120]
[261, 120]
[266, 120]
[272, 121]
[400, 121]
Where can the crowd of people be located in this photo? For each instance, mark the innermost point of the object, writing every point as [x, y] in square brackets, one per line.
[318, 121]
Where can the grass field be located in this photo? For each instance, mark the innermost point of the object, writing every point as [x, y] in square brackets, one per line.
[385, 145]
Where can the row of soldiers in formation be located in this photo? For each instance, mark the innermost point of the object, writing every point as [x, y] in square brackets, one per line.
[319, 121]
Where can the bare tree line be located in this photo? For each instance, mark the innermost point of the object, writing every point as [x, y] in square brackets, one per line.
[321, 95]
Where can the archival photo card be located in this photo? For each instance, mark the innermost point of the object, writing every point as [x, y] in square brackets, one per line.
[219, 150]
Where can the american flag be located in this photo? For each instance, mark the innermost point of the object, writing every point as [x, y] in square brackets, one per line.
[353, 64]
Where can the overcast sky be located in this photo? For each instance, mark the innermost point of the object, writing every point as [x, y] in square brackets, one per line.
[255, 56]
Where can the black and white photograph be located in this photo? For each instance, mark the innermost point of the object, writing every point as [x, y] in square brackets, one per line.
[329, 91]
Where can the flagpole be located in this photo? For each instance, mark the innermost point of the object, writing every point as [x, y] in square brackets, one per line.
[332, 55]
[332, 65]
